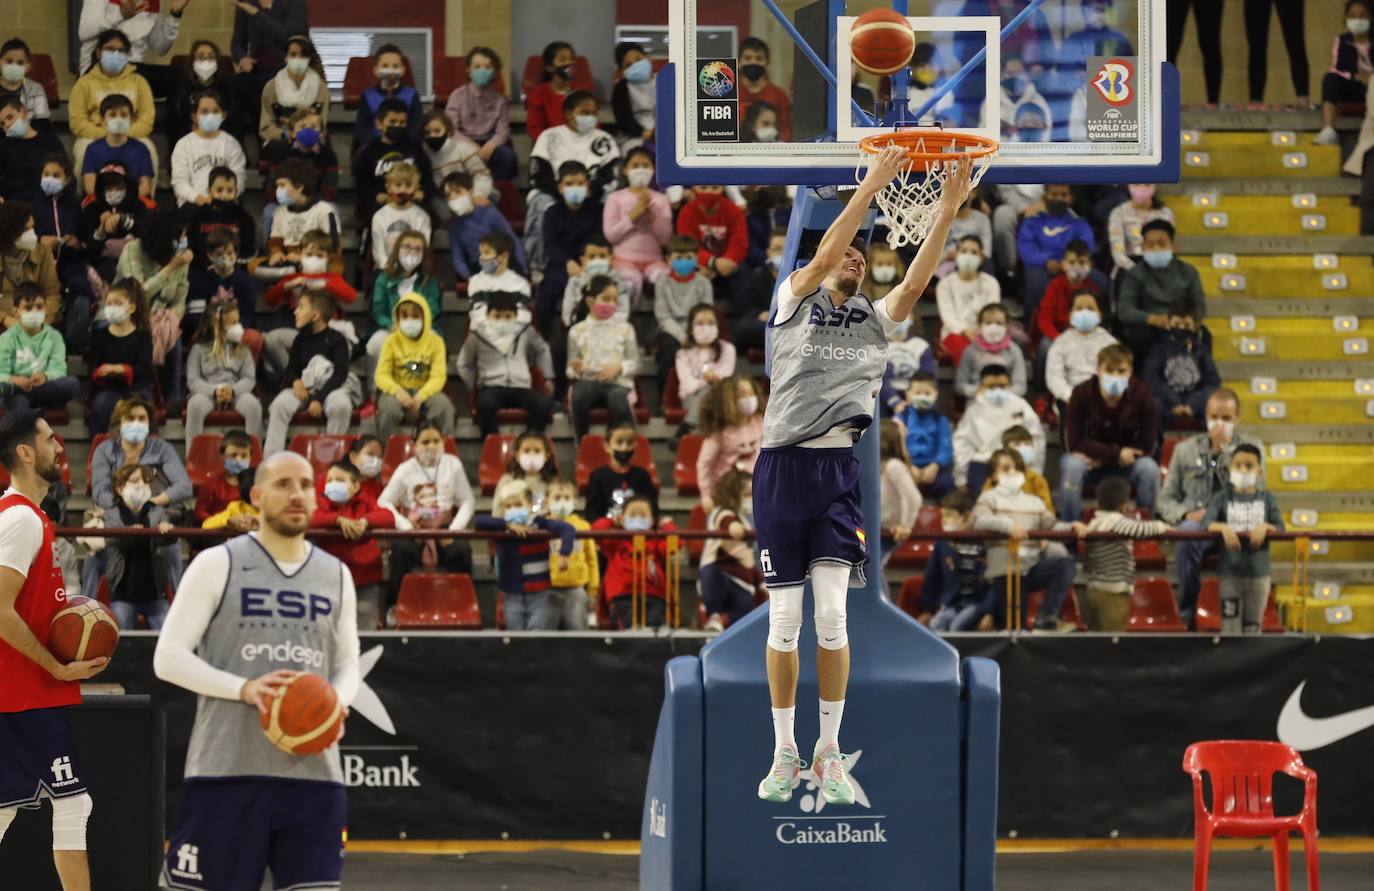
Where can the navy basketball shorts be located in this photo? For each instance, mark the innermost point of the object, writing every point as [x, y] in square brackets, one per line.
[37, 758]
[233, 830]
[807, 511]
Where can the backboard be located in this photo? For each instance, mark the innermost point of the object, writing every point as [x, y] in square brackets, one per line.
[1076, 91]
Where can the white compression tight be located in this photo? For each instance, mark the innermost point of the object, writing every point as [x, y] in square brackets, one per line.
[69, 816]
[7, 816]
[830, 585]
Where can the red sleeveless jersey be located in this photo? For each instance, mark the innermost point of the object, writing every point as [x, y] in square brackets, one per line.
[24, 684]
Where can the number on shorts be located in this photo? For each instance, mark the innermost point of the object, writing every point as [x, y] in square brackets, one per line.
[766, 562]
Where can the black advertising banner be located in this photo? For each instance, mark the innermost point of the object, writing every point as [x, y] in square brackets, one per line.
[476, 736]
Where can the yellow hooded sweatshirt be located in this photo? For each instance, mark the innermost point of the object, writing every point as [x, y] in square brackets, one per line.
[84, 103]
[418, 364]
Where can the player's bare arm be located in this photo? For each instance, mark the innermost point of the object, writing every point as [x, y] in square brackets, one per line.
[17, 634]
[901, 299]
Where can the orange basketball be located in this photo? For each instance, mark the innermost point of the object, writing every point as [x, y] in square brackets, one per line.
[306, 718]
[84, 629]
[882, 41]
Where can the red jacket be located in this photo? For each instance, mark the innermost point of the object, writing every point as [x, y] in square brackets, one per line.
[366, 489]
[214, 496]
[362, 556]
[290, 287]
[543, 109]
[722, 233]
[1052, 316]
[619, 578]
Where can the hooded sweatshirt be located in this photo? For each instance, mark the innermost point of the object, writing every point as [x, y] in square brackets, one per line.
[490, 360]
[980, 430]
[85, 119]
[417, 364]
[22, 353]
[1044, 236]
[1073, 359]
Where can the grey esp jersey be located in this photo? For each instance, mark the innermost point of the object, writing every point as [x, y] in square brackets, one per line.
[827, 368]
[266, 620]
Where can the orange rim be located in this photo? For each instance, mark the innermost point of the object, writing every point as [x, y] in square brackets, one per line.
[938, 145]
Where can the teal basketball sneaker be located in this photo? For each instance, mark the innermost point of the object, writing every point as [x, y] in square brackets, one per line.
[783, 776]
[828, 767]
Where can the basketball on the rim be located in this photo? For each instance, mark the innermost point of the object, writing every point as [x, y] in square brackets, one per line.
[83, 629]
[882, 41]
[305, 719]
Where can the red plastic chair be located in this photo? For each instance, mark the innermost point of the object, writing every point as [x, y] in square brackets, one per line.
[534, 75]
[696, 522]
[1242, 779]
[438, 600]
[673, 412]
[1153, 607]
[914, 554]
[591, 454]
[44, 73]
[909, 600]
[321, 449]
[685, 464]
[1208, 614]
[1068, 611]
[360, 75]
[496, 454]
[203, 460]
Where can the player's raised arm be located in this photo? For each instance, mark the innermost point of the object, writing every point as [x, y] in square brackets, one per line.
[837, 239]
[901, 299]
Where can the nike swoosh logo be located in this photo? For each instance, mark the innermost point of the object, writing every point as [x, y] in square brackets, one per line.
[1306, 733]
[1052, 231]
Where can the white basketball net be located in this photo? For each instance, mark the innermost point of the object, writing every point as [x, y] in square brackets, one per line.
[910, 201]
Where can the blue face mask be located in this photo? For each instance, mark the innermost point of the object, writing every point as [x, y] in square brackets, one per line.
[308, 137]
[283, 196]
[1085, 320]
[481, 76]
[134, 432]
[52, 186]
[336, 491]
[113, 61]
[211, 121]
[574, 195]
[683, 267]
[182, 244]
[638, 524]
[1113, 385]
[235, 466]
[1159, 259]
[518, 516]
[640, 71]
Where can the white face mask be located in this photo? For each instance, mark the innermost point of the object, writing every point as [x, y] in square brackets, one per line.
[314, 265]
[766, 134]
[993, 332]
[923, 401]
[967, 263]
[461, 205]
[562, 507]
[530, 462]
[996, 397]
[884, 274]
[371, 466]
[1027, 453]
[1010, 483]
[234, 333]
[1241, 479]
[412, 327]
[298, 65]
[639, 177]
[205, 68]
[116, 315]
[28, 241]
[428, 456]
[748, 405]
[117, 126]
[705, 334]
[1227, 428]
[1357, 27]
[33, 319]
[409, 260]
[136, 495]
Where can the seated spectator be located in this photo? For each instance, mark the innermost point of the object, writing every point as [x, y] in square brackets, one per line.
[1244, 513]
[412, 372]
[1018, 92]
[365, 453]
[956, 578]
[314, 278]
[1045, 566]
[390, 91]
[108, 221]
[343, 505]
[25, 261]
[496, 253]
[579, 143]
[471, 222]
[612, 485]
[149, 30]
[532, 465]
[1076, 276]
[568, 226]
[394, 147]
[451, 152]
[317, 378]
[760, 123]
[885, 270]
[258, 45]
[638, 222]
[1020, 441]
[1072, 357]
[991, 345]
[219, 280]
[110, 72]
[15, 64]
[722, 237]
[594, 261]
[136, 569]
[33, 357]
[603, 358]
[1043, 238]
[485, 365]
[160, 260]
[1126, 222]
[408, 270]
[1110, 563]
[1198, 472]
[224, 214]
[545, 104]
[116, 150]
[298, 210]
[206, 147]
[400, 214]
[906, 355]
[577, 588]
[1031, 124]
[1346, 81]
[57, 219]
[1181, 371]
[23, 150]
[222, 489]
[429, 490]
[1110, 429]
[961, 298]
[1015, 203]
[901, 500]
[298, 87]
[682, 289]
[731, 431]
[704, 359]
[204, 69]
[728, 575]
[756, 305]
[971, 221]
[988, 415]
[928, 440]
[754, 85]
[523, 568]
[632, 98]
[638, 516]
[220, 371]
[482, 114]
[767, 208]
[120, 357]
[1146, 291]
[304, 139]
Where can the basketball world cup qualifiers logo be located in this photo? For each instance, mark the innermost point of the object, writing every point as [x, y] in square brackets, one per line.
[1113, 82]
[716, 80]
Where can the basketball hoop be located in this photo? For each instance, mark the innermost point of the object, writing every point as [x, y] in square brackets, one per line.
[909, 202]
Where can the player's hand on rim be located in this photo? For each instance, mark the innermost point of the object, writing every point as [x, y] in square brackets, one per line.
[884, 167]
[260, 691]
[80, 670]
[957, 186]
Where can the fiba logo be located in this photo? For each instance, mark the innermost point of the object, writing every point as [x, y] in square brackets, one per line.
[716, 79]
[1113, 82]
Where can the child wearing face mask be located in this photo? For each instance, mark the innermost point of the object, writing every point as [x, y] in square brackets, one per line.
[956, 594]
[722, 235]
[471, 222]
[33, 357]
[885, 270]
[204, 68]
[117, 150]
[160, 258]
[731, 431]
[57, 221]
[238, 513]
[412, 372]
[496, 361]
[1071, 358]
[929, 442]
[400, 214]
[319, 253]
[366, 453]
[638, 222]
[497, 255]
[754, 85]
[639, 515]
[135, 571]
[16, 61]
[343, 505]
[389, 66]
[316, 379]
[451, 152]
[673, 313]
[987, 416]
[703, 360]
[962, 296]
[603, 358]
[524, 567]
[760, 123]
[206, 147]
[992, 345]
[305, 139]
[595, 261]
[374, 160]
[223, 278]
[481, 112]
[567, 227]
[224, 214]
[1181, 371]
[108, 221]
[531, 464]
[611, 485]
[728, 574]
[295, 211]
[907, 354]
[299, 86]
[544, 105]
[222, 488]
[1244, 513]
[221, 372]
[109, 72]
[1126, 221]
[1020, 441]
[683, 288]
[120, 355]
[633, 97]
[576, 589]
[408, 270]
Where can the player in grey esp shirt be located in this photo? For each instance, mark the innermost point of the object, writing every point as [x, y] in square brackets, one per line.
[251, 615]
[829, 349]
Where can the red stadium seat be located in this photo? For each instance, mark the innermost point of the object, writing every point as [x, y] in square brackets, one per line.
[534, 75]
[909, 600]
[399, 449]
[1153, 607]
[1209, 610]
[203, 461]
[44, 73]
[511, 205]
[1068, 611]
[914, 554]
[360, 76]
[321, 449]
[497, 450]
[673, 412]
[696, 522]
[685, 465]
[304, 419]
[438, 600]
[451, 72]
[591, 454]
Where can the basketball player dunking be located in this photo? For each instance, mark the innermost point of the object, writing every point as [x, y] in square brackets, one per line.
[37, 759]
[250, 615]
[829, 349]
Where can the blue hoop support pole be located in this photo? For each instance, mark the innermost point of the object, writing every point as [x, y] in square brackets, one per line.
[973, 63]
[816, 60]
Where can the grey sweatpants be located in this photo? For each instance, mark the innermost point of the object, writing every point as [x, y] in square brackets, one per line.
[338, 413]
[1242, 604]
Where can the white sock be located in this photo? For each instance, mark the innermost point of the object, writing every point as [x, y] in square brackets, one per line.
[783, 721]
[831, 715]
